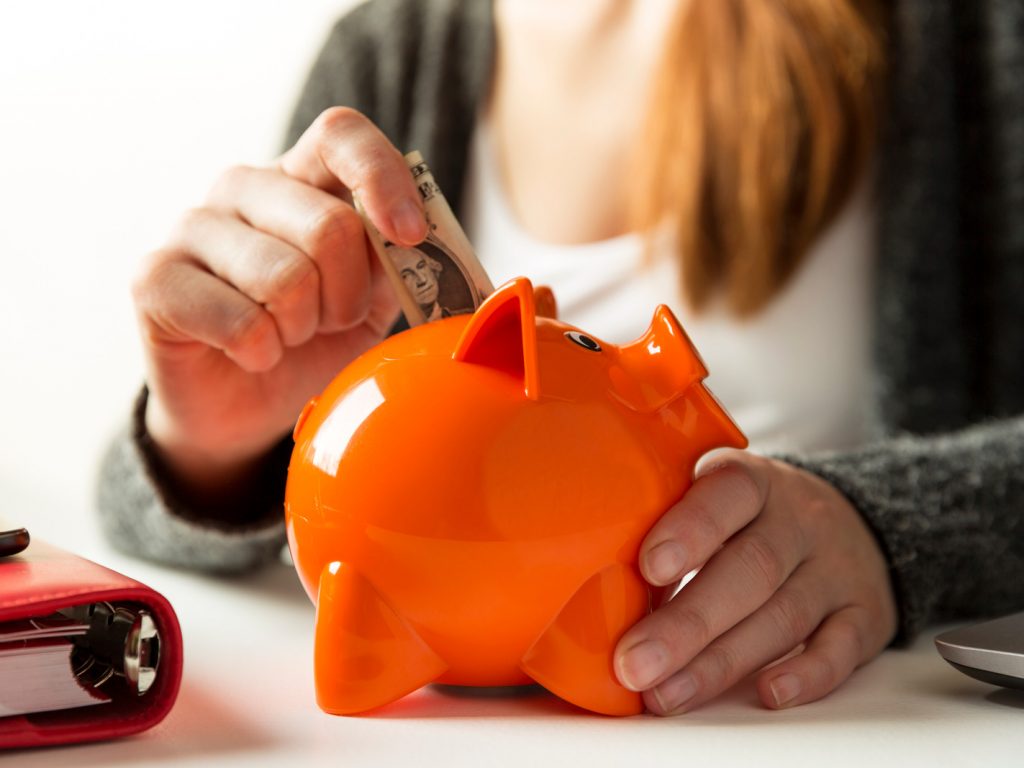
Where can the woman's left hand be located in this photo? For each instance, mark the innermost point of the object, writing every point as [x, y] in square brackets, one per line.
[785, 560]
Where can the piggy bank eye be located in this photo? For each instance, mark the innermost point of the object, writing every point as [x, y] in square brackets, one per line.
[584, 341]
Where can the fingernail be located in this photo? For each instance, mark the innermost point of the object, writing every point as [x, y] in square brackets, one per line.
[784, 689]
[664, 563]
[408, 221]
[676, 691]
[642, 664]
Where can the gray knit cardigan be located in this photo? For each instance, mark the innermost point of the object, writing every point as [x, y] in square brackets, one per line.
[944, 492]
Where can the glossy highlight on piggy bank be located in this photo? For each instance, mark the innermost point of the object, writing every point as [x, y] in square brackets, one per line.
[466, 501]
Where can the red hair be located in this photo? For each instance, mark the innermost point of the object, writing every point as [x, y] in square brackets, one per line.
[762, 119]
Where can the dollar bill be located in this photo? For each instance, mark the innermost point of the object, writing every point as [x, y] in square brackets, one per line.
[441, 276]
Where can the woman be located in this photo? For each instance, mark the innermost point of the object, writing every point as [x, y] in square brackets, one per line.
[732, 141]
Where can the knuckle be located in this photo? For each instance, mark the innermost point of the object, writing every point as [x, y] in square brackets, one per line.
[882, 614]
[690, 625]
[228, 182]
[368, 170]
[151, 274]
[849, 638]
[291, 278]
[758, 556]
[332, 228]
[248, 328]
[789, 614]
[707, 529]
[720, 666]
[374, 163]
[189, 223]
[142, 277]
[832, 663]
[745, 488]
[335, 120]
[829, 671]
[814, 516]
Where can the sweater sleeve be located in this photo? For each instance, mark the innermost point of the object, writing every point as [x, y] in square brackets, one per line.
[948, 512]
[142, 514]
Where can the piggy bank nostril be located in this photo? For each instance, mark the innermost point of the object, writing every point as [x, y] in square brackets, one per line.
[583, 340]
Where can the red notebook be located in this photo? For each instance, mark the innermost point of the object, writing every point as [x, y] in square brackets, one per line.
[47, 590]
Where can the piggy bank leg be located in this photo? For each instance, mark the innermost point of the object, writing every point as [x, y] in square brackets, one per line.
[365, 655]
[573, 658]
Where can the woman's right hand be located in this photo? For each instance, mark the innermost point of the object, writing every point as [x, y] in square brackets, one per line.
[264, 293]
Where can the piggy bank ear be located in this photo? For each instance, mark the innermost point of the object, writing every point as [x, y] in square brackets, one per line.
[502, 334]
[544, 302]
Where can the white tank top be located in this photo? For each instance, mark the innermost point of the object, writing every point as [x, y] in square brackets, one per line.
[795, 377]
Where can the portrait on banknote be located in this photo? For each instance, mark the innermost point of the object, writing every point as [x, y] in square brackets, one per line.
[434, 279]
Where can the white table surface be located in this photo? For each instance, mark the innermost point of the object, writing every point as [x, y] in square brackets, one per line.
[247, 699]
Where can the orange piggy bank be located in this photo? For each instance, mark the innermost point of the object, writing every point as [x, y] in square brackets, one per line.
[466, 501]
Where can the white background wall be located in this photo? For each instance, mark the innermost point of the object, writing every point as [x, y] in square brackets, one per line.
[115, 116]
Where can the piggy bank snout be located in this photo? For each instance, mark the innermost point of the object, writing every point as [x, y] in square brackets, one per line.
[659, 366]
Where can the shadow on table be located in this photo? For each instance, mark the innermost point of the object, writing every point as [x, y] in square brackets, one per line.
[1007, 697]
[454, 701]
[276, 582]
[533, 701]
[199, 725]
[920, 690]
[273, 583]
[971, 693]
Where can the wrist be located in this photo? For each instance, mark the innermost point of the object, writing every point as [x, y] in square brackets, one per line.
[204, 473]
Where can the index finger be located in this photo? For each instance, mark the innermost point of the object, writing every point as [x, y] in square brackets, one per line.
[721, 501]
[343, 150]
